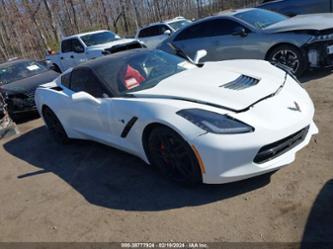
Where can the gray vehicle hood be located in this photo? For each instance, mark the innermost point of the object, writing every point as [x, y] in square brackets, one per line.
[303, 22]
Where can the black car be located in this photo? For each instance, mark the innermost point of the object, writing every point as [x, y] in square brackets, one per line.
[18, 82]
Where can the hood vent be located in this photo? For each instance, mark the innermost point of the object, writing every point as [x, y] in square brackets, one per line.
[242, 82]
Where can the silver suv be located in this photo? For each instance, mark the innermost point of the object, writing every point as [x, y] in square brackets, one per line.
[156, 33]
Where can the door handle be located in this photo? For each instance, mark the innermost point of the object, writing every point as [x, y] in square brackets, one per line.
[72, 56]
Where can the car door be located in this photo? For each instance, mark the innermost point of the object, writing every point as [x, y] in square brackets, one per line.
[72, 53]
[89, 116]
[220, 36]
[66, 53]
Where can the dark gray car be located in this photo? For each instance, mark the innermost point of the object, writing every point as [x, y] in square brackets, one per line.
[299, 42]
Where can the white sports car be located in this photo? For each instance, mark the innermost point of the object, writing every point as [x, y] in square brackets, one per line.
[216, 122]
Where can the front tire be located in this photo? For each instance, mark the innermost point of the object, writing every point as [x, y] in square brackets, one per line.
[55, 127]
[173, 156]
[289, 56]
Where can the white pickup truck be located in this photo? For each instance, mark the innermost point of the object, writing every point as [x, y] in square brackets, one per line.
[86, 46]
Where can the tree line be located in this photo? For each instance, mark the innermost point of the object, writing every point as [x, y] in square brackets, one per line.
[29, 27]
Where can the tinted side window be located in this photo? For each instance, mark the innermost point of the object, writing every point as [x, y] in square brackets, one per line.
[76, 45]
[209, 28]
[223, 27]
[84, 80]
[65, 79]
[153, 31]
[145, 32]
[162, 29]
[66, 46]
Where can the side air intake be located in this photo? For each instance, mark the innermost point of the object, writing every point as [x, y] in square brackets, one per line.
[242, 82]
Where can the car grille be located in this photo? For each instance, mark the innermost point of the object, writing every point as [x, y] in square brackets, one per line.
[242, 82]
[278, 148]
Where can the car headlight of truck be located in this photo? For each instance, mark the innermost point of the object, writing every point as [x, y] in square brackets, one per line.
[215, 123]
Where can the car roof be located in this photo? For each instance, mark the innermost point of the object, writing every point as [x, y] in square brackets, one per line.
[227, 13]
[86, 33]
[232, 12]
[123, 55]
[176, 19]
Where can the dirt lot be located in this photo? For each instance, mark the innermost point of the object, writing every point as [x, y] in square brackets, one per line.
[90, 192]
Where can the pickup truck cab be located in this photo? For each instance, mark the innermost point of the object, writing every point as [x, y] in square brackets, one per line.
[298, 7]
[82, 47]
[156, 33]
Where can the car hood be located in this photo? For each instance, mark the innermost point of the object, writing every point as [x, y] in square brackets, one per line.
[233, 85]
[303, 22]
[31, 83]
[111, 44]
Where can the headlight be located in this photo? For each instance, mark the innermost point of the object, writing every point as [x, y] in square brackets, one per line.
[214, 122]
[321, 38]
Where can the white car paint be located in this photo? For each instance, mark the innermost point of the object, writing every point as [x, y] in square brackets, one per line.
[66, 60]
[226, 158]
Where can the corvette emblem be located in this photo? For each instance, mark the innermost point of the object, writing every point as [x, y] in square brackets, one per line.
[296, 108]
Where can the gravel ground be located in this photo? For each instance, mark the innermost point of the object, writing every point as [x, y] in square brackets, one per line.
[90, 192]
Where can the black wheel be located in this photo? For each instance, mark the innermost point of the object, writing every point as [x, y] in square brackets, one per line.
[289, 56]
[173, 156]
[54, 126]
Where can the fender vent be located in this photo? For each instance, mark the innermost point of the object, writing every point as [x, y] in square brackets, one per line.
[242, 82]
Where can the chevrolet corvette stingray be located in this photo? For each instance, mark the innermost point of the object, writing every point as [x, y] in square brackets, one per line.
[214, 123]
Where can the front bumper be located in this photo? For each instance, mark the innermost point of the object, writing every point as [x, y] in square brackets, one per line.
[279, 127]
[21, 105]
[320, 54]
[232, 159]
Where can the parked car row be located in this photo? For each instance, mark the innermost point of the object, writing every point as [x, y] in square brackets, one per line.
[188, 108]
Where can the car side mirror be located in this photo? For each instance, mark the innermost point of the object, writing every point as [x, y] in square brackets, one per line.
[240, 32]
[167, 32]
[199, 55]
[85, 97]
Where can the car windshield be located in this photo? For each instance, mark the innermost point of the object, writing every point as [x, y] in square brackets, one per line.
[10, 72]
[261, 18]
[141, 71]
[99, 38]
[179, 24]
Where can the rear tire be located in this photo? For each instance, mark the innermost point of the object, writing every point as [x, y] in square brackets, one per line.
[55, 127]
[289, 56]
[172, 156]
